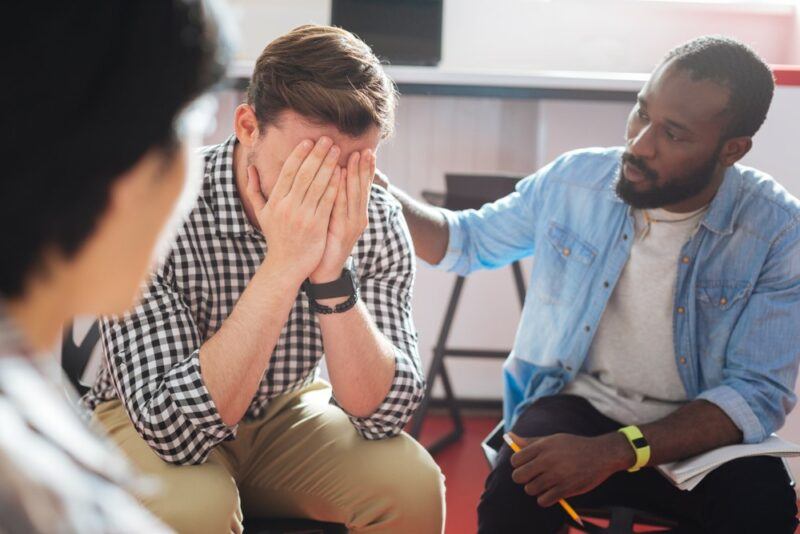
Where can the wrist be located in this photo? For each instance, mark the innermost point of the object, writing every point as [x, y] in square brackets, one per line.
[328, 273]
[326, 276]
[620, 453]
[285, 274]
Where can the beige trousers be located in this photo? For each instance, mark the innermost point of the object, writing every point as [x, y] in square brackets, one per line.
[302, 459]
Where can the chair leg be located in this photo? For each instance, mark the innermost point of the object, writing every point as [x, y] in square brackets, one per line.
[621, 521]
[519, 280]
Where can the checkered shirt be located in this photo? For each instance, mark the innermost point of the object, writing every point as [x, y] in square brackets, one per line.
[152, 353]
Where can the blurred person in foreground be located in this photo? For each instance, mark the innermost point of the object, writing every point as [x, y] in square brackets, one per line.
[98, 114]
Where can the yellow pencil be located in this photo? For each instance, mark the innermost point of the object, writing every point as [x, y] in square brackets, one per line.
[564, 504]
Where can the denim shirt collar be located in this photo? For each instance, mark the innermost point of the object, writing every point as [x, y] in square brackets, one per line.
[720, 216]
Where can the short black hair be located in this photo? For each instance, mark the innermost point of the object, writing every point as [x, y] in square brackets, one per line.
[738, 68]
[88, 89]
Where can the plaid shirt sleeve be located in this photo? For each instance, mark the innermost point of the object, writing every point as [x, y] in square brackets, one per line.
[152, 354]
[386, 290]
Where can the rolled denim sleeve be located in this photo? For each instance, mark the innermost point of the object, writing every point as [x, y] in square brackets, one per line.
[733, 403]
[498, 233]
[761, 363]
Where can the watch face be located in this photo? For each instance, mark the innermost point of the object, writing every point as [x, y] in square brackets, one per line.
[353, 278]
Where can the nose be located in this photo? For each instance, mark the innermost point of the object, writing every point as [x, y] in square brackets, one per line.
[642, 143]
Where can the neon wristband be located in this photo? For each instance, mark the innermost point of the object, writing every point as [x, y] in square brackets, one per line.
[640, 446]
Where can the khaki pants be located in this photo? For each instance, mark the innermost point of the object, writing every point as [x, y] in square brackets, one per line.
[302, 459]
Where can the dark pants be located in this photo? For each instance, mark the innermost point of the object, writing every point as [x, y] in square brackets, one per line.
[749, 495]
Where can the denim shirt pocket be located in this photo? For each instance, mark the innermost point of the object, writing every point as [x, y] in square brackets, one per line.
[561, 264]
[722, 295]
[719, 304]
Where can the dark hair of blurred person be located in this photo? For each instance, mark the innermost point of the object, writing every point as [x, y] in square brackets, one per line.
[93, 163]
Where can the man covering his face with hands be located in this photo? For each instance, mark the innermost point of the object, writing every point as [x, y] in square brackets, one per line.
[211, 384]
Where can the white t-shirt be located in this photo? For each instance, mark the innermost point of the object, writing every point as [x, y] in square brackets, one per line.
[631, 373]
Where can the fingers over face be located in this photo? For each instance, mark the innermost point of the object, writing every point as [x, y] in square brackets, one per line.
[291, 167]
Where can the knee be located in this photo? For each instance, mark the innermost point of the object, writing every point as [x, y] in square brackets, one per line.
[404, 494]
[505, 507]
[417, 485]
[198, 502]
[422, 484]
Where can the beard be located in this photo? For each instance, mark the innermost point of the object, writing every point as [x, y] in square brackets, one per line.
[674, 191]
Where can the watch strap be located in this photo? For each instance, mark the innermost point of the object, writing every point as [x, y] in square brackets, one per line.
[344, 286]
[641, 447]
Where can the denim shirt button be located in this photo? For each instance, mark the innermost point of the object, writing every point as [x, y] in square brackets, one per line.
[681, 310]
[685, 259]
[682, 360]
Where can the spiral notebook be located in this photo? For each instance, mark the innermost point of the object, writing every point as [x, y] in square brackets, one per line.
[687, 474]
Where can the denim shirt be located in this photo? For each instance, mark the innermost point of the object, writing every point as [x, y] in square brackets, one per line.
[736, 318]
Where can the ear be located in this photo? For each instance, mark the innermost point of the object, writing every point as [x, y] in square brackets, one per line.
[245, 124]
[734, 149]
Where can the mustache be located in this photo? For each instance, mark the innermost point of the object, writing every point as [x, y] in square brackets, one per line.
[640, 165]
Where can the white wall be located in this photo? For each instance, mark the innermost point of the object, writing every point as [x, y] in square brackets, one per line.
[609, 35]
[612, 35]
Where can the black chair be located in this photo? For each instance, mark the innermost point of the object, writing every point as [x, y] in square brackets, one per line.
[464, 191]
[621, 519]
[74, 360]
[291, 526]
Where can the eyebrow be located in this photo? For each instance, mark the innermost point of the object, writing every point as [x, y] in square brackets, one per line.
[677, 125]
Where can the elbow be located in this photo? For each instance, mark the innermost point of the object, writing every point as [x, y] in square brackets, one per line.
[230, 417]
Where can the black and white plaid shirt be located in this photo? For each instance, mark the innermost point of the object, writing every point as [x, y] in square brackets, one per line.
[152, 354]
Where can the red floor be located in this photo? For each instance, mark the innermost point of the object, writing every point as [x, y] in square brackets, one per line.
[465, 469]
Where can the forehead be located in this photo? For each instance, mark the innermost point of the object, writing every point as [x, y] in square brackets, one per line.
[672, 92]
[294, 128]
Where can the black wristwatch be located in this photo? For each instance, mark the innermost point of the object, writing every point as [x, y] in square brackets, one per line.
[345, 286]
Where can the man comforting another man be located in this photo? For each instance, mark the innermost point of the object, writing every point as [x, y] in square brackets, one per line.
[663, 312]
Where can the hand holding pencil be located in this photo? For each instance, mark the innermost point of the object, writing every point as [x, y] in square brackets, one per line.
[564, 504]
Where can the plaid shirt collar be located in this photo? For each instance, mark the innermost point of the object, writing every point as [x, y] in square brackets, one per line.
[228, 210]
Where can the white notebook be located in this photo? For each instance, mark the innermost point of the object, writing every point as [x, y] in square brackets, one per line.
[686, 474]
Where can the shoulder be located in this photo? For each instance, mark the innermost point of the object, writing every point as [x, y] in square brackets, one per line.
[386, 240]
[766, 207]
[382, 205]
[588, 168]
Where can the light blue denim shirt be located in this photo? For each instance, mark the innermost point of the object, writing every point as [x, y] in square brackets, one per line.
[736, 319]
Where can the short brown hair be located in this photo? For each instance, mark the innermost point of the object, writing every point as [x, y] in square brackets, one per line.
[327, 75]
